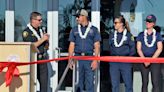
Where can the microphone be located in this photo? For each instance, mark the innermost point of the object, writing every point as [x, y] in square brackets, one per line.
[46, 42]
[44, 29]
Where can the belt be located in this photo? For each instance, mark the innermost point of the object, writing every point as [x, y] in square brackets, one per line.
[83, 54]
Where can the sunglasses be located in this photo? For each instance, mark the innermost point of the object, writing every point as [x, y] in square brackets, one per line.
[116, 22]
[38, 19]
[79, 16]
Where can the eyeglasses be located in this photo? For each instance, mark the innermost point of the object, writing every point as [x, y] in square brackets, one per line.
[78, 16]
[38, 19]
[116, 22]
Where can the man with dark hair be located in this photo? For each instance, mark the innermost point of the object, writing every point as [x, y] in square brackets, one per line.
[35, 34]
[85, 41]
[34, 15]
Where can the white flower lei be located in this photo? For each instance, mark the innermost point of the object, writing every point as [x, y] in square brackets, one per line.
[153, 40]
[86, 32]
[34, 31]
[124, 38]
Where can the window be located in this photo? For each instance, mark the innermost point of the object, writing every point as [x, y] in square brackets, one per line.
[23, 8]
[2, 20]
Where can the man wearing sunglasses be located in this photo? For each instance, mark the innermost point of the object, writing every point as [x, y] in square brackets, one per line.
[38, 35]
[149, 44]
[84, 41]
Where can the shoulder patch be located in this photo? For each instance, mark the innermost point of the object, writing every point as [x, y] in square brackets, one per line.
[25, 34]
[132, 38]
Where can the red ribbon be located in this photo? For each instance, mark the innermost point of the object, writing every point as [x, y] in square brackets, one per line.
[13, 70]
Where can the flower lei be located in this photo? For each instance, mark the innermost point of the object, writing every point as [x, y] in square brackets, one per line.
[124, 38]
[34, 31]
[86, 32]
[153, 40]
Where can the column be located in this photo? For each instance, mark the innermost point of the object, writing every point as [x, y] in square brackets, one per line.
[52, 25]
[95, 18]
[9, 21]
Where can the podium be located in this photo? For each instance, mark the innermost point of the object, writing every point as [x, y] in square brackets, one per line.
[19, 52]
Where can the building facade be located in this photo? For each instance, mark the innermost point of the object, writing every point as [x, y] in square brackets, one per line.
[57, 16]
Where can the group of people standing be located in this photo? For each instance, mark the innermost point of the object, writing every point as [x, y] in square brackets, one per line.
[85, 41]
[122, 43]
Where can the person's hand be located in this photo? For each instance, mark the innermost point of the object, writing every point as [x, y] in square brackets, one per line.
[147, 64]
[71, 63]
[46, 37]
[94, 64]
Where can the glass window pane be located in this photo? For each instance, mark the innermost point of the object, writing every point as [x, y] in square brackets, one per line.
[106, 25]
[65, 23]
[23, 8]
[42, 8]
[2, 20]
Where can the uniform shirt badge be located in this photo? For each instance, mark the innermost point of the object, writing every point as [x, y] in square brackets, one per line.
[25, 34]
[132, 38]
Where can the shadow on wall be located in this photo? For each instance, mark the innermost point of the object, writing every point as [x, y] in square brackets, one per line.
[15, 84]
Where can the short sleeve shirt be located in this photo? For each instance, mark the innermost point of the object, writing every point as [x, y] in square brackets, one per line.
[84, 45]
[149, 51]
[126, 49]
[28, 36]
